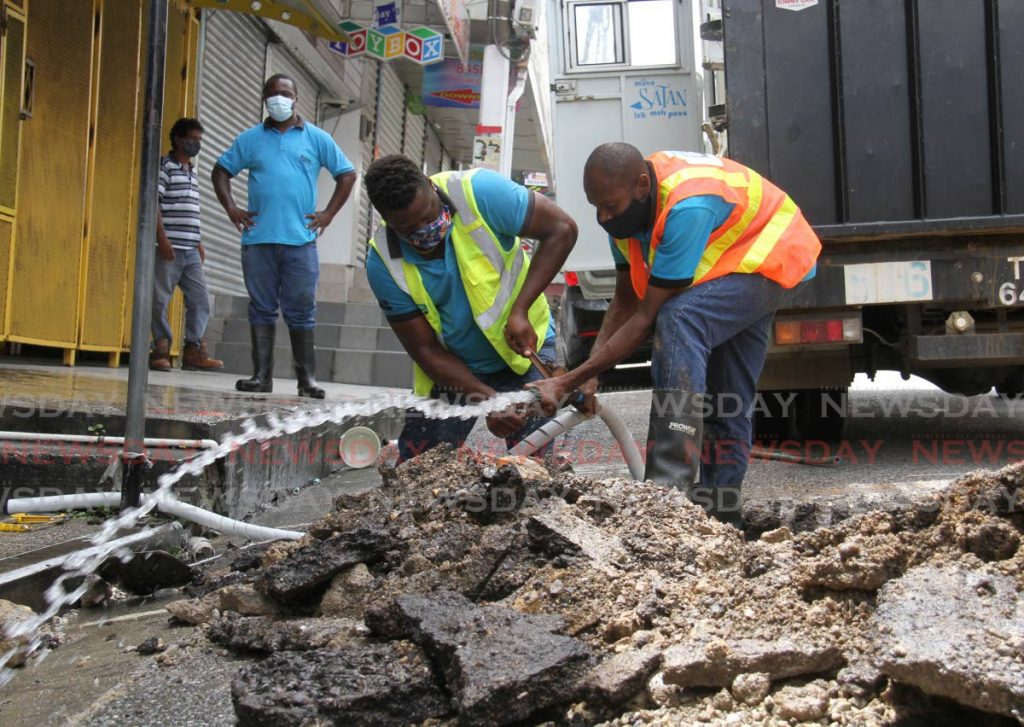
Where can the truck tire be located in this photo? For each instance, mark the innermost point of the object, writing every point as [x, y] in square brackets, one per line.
[820, 414]
[811, 415]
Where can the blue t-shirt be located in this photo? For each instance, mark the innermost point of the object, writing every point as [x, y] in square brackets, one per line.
[503, 206]
[687, 230]
[283, 170]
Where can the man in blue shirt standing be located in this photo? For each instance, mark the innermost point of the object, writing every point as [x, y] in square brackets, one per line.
[460, 293]
[280, 264]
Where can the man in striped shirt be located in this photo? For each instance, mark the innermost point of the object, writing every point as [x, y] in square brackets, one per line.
[180, 253]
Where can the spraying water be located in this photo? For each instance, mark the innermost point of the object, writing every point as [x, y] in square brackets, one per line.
[85, 563]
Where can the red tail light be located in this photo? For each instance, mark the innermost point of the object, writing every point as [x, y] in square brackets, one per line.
[572, 280]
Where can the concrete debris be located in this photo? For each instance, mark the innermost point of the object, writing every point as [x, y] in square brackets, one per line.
[556, 531]
[500, 666]
[305, 573]
[956, 633]
[576, 602]
[699, 663]
[244, 599]
[751, 688]
[262, 635]
[804, 704]
[348, 592]
[624, 674]
[11, 614]
[196, 611]
[379, 684]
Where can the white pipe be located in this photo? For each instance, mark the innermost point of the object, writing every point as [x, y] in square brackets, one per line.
[554, 428]
[220, 523]
[569, 419]
[103, 439]
[634, 459]
[169, 505]
[56, 503]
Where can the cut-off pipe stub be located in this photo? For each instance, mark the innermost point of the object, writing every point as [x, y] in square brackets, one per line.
[359, 447]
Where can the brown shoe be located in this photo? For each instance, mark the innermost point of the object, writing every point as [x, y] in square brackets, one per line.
[160, 356]
[194, 358]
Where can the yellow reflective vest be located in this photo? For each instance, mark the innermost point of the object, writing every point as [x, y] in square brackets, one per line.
[491, 275]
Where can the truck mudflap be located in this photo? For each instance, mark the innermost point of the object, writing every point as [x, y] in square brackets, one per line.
[994, 281]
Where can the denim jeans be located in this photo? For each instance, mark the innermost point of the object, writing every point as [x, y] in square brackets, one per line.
[420, 434]
[712, 339]
[281, 275]
[184, 271]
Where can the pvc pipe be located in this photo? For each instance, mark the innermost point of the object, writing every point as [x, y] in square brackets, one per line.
[571, 418]
[200, 548]
[221, 524]
[55, 503]
[89, 439]
[554, 428]
[168, 505]
[630, 450]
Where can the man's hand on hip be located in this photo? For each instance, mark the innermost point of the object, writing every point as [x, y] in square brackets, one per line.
[242, 219]
[318, 222]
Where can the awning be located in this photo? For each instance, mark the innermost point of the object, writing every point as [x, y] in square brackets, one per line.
[314, 16]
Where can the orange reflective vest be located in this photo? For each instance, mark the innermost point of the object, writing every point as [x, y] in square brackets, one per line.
[765, 234]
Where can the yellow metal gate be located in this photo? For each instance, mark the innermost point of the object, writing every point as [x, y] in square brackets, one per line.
[73, 74]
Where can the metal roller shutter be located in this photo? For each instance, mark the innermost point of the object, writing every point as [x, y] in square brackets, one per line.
[280, 60]
[371, 70]
[229, 103]
[391, 114]
[433, 151]
[412, 146]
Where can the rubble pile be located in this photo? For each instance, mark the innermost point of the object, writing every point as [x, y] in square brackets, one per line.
[467, 591]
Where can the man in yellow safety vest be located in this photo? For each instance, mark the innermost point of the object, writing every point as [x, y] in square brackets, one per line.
[449, 271]
[706, 251]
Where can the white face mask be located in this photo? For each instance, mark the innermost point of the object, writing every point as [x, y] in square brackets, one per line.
[280, 108]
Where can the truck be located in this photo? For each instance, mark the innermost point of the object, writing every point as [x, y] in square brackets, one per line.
[896, 127]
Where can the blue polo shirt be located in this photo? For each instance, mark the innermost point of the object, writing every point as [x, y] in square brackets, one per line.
[503, 206]
[687, 231]
[283, 170]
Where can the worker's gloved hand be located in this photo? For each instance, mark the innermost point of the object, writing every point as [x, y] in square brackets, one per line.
[550, 393]
[519, 333]
[505, 423]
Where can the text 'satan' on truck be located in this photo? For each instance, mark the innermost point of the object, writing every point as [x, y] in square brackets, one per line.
[896, 125]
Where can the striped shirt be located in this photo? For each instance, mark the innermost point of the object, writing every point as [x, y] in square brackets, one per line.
[178, 190]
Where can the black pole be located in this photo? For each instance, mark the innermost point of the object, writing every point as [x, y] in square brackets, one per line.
[133, 461]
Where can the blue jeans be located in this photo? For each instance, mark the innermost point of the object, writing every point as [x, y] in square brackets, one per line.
[281, 275]
[420, 433]
[712, 339]
[184, 271]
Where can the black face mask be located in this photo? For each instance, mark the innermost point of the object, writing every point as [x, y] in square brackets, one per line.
[191, 147]
[631, 221]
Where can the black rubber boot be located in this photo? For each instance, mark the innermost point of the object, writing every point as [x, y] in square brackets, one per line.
[674, 438]
[304, 355]
[262, 379]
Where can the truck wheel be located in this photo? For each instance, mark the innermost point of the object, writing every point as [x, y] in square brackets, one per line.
[773, 421]
[1012, 385]
[820, 414]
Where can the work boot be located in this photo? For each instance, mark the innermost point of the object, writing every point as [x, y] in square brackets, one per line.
[674, 445]
[195, 358]
[262, 360]
[304, 355]
[160, 356]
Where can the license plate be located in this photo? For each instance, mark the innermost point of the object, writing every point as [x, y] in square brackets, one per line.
[893, 282]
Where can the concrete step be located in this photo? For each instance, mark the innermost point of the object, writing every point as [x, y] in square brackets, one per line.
[328, 335]
[368, 368]
[353, 314]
